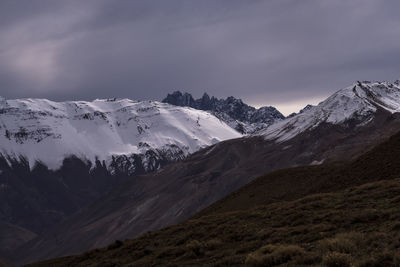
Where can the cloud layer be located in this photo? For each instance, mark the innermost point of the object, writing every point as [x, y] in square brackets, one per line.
[265, 52]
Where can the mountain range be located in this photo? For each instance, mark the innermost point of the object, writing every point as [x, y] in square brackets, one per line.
[57, 157]
[103, 130]
[337, 214]
[344, 126]
[95, 179]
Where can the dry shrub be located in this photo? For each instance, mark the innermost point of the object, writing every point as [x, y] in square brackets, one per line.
[195, 247]
[343, 243]
[396, 226]
[382, 258]
[309, 258]
[396, 258]
[213, 244]
[115, 245]
[272, 255]
[168, 251]
[370, 261]
[336, 259]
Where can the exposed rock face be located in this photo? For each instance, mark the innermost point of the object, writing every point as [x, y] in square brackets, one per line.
[233, 111]
[37, 198]
[301, 111]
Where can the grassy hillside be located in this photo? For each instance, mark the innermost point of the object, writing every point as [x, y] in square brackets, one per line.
[358, 226]
[334, 215]
[288, 184]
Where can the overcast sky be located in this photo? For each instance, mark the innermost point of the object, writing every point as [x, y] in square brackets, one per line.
[285, 53]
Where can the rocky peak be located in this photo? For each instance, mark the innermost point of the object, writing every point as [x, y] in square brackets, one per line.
[301, 111]
[205, 102]
[3, 102]
[233, 111]
[306, 108]
[266, 114]
[178, 98]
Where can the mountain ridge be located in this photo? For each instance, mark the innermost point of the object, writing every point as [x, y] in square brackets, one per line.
[57, 157]
[354, 104]
[103, 128]
[240, 116]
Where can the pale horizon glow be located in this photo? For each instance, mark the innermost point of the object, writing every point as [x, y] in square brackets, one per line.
[287, 108]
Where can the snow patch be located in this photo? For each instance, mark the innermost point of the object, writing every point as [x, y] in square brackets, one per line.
[358, 102]
[45, 131]
[317, 162]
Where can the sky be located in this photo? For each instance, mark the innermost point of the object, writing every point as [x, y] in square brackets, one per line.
[284, 53]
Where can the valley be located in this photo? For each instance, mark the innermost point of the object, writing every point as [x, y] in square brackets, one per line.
[344, 215]
[199, 133]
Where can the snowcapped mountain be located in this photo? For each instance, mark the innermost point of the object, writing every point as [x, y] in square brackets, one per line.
[355, 104]
[347, 124]
[56, 157]
[115, 131]
[232, 111]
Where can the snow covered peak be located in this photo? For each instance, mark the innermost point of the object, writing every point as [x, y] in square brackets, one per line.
[47, 131]
[357, 102]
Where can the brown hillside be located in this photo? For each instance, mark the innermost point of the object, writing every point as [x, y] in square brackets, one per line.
[350, 226]
[355, 227]
[179, 191]
[288, 184]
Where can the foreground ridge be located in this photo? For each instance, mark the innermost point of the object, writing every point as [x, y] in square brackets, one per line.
[355, 226]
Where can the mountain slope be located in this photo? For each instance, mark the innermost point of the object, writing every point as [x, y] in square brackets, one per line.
[180, 190]
[377, 164]
[344, 213]
[356, 104]
[11, 237]
[354, 227]
[102, 129]
[57, 157]
[232, 111]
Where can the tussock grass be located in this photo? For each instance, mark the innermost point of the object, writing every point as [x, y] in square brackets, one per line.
[272, 255]
[353, 227]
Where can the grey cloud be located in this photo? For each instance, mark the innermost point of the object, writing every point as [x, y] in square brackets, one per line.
[265, 52]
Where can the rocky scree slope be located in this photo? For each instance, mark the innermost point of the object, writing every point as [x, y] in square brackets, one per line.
[181, 189]
[232, 111]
